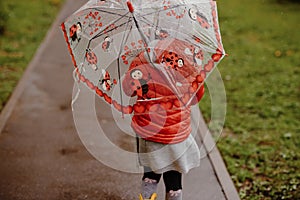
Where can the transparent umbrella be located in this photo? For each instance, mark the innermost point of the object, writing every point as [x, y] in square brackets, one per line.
[128, 51]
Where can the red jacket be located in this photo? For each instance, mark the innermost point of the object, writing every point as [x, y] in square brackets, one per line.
[162, 111]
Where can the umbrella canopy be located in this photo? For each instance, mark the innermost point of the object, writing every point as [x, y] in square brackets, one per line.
[126, 50]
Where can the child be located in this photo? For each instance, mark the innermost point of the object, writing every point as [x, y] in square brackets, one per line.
[162, 115]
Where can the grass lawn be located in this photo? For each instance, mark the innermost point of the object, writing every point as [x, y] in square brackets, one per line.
[261, 143]
[28, 22]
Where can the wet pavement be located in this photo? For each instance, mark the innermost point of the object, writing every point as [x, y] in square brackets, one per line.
[43, 157]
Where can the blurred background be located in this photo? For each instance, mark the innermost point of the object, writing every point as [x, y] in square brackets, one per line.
[260, 142]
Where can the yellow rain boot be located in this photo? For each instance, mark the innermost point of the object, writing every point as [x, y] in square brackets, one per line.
[153, 197]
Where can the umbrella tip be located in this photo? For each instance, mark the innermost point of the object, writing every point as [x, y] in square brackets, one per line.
[130, 6]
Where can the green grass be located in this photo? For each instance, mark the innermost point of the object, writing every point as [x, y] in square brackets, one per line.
[26, 26]
[261, 142]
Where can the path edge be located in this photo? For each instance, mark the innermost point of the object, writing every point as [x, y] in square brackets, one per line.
[19, 89]
[217, 162]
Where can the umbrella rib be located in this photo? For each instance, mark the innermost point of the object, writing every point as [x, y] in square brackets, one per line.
[165, 73]
[155, 25]
[163, 9]
[124, 40]
[145, 20]
[146, 42]
[119, 54]
[105, 11]
[109, 30]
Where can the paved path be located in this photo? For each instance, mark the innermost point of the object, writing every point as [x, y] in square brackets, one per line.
[42, 156]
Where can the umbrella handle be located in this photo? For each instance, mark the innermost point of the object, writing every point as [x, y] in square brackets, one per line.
[130, 6]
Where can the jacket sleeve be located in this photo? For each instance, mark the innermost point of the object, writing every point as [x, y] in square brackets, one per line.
[198, 95]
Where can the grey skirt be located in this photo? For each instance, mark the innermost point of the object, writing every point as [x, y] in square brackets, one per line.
[160, 158]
